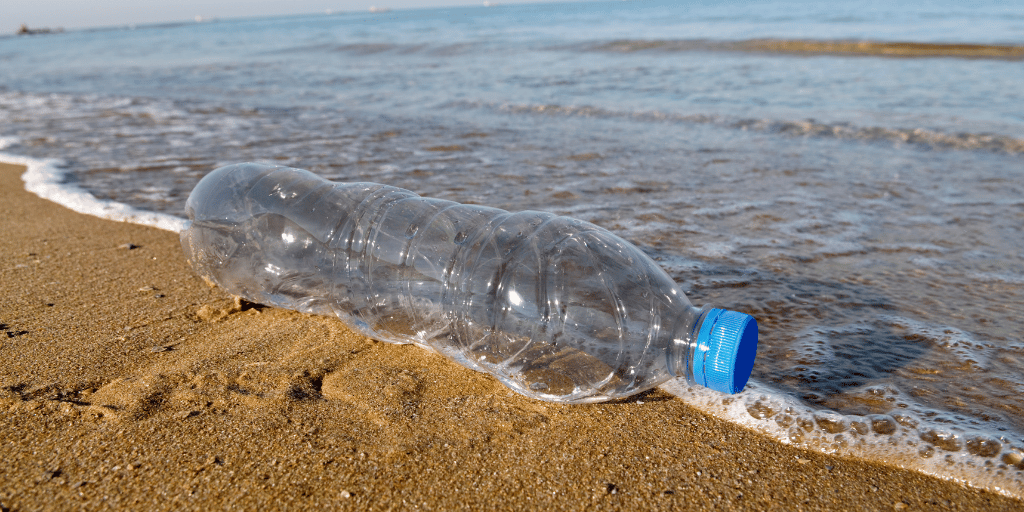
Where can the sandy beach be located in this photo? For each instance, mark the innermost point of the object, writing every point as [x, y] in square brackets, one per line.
[128, 383]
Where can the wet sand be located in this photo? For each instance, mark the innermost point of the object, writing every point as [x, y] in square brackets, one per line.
[897, 49]
[127, 383]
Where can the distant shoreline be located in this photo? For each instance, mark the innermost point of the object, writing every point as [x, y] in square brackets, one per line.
[24, 30]
[894, 49]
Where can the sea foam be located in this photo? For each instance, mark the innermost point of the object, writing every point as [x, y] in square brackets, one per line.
[907, 440]
[48, 179]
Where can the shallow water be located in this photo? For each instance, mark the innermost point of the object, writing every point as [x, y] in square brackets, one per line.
[867, 210]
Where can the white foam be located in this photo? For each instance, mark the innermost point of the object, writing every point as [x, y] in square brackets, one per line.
[980, 460]
[48, 179]
[994, 277]
[961, 345]
[714, 250]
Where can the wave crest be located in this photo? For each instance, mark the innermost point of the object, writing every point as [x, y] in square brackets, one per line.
[808, 128]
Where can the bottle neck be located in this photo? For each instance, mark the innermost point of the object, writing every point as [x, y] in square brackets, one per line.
[684, 343]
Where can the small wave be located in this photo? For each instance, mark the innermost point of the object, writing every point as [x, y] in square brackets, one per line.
[365, 49]
[807, 128]
[48, 179]
[905, 439]
[893, 49]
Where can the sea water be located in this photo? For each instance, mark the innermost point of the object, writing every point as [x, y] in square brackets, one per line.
[868, 210]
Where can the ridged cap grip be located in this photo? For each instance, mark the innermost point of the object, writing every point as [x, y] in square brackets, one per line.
[726, 347]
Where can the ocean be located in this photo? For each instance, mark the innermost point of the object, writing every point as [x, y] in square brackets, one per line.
[850, 174]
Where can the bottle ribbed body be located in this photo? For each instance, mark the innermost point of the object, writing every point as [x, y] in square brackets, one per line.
[556, 308]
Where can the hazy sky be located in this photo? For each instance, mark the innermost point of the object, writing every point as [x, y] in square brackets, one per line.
[104, 13]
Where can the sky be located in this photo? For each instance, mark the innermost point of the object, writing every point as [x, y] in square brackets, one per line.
[73, 14]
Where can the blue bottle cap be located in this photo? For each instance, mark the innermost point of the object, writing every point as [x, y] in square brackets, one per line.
[726, 346]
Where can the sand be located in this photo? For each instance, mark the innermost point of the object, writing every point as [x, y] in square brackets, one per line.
[128, 383]
[894, 49]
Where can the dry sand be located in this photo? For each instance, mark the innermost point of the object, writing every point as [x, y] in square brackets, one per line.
[127, 383]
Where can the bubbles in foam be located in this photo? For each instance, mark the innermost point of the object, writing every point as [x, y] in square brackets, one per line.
[992, 461]
[963, 347]
[813, 349]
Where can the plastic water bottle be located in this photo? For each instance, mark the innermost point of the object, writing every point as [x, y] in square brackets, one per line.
[556, 308]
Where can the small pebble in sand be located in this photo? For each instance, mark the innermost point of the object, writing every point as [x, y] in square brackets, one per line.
[128, 246]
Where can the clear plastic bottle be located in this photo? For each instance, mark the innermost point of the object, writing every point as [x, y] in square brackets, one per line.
[556, 308]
